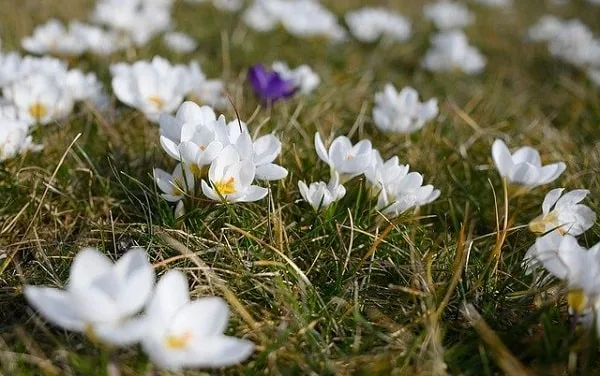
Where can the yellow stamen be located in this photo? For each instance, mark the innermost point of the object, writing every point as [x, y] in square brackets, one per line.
[539, 224]
[577, 300]
[178, 187]
[179, 342]
[157, 101]
[38, 110]
[349, 157]
[225, 187]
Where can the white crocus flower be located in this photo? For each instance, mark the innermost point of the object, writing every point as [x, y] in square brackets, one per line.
[202, 142]
[171, 126]
[369, 24]
[524, 166]
[579, 267]
[320, 194]
[97, 40]
[40, 99]
[545, 29]
[174, 186]
[15, 138]
[405, 193]
[151, 87]
[450, 51]
[262, 152]
[382, 173]
[101, 298]
[179, 42]
[347, 159]
[574, 43]
[183, 333]
[53, 37]
[231, 179]
[448, 15]
[564, 213]
[210, 92]
[309, 18]
[401, 112]
[83, 86]
[303, 77]
[261, 16]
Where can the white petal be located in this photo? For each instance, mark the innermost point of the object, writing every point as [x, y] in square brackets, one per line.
[123, 333]
[138, 281]
[502, 158]
[219, 351]
[171, 293]
[55, 306]
[205, 317]
[321, 150]
[573, 197]
[551, 172]
[551, 199]
[524, 174]
[88, 265]
[270, 171]
[527, 154]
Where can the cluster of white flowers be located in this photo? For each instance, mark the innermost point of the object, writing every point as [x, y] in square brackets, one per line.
[157, 86]
[451, 51]
[199, 141]
[307, 18]
[401, 112]
[38, 91]
[570, 41]
[563, 217]
[106, 300]
[397, 190]
[369, 24]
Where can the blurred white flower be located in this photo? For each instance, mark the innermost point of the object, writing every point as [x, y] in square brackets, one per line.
[369, 24]
[404, 193]
[545, 29]
[594, 76]
[15, 138]
[564, 213]
[347, 159]
[231, 179]
[210, 92]
[450, 51]
[151, 87]
[524, 166]
[138, 20]
[52, 37]
[83, 86]
[303, 77]
[174, 186]
[183, 333]
[496, 3]
[309, 18]
[40, 99]
[97, 40]
[575, 44]
[263, 15]
[401, 112]
[101, 298]
[320, 194]
[448, 15]
[179, 42]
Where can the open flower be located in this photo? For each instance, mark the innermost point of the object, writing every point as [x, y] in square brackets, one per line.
[262, 152]
[347, 159]
[270, 86]
[524, 166]
[101, 298]
[382, 173]
[405, 193]
[564, 213]
[369, 24]
[53, 37]
[320, 194]
[577, 266]
[183, 333]
[402, 112]
[448, 15]
[450, 51]
[231, 179]
[151, 87]
[174, 186]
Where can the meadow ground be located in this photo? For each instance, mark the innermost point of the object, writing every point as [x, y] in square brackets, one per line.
[347, 292]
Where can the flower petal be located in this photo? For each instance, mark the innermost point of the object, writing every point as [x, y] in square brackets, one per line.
[55, 306]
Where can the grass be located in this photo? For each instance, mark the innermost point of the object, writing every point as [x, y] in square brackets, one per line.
[347, 292]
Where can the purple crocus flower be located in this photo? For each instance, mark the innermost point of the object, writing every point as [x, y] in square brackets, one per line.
[269, 85]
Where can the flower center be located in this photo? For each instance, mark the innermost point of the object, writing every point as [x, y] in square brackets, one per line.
[225, 187]
[202, 147]
[541, 223]
[38, 111]
[157, 101]
[349, 157]
[179, 342]
[577, 300]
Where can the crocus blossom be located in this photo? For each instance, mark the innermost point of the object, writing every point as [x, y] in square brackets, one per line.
[448, 15]
[451, 51]
[101, 298]
[401, 112]
[320, 194]
[369, 24]
[183, 333]
[565, 213]
[270, 86]
[174, 186]
[15, 138]
[347, 159]
[524, 166]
